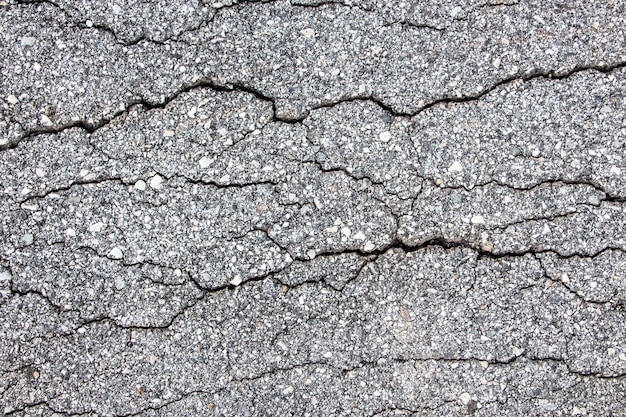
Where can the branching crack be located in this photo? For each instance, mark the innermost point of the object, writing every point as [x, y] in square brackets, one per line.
[239, 87]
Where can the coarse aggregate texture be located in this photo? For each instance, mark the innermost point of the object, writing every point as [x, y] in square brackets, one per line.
[312, 208]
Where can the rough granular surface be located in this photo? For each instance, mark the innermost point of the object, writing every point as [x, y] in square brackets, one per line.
[312, 208]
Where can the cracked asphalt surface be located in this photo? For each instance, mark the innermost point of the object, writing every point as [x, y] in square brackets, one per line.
[372, 208]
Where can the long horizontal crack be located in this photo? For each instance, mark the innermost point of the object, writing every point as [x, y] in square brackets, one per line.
[343, 372]
[372, 256]
[238, 87]
[610, 197]
[80, 22]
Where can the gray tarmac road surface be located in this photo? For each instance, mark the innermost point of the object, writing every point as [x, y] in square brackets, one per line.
[312, 208]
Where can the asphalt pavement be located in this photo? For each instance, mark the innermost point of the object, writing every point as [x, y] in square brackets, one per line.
[312, 208]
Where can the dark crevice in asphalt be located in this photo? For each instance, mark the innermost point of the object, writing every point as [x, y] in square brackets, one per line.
[528, 76]
[238, 87]
[371, 257]
[46, 404]
[582, 374]
[498, 3]
[33, 292]
[343, 170]
[363, 8]
[144, 262]
[165, 404]
[415, 25]
[397, 410]
[608, 196]
[537, 219]
[93, 127]
[70, 186]
[239, 185]
[369, 260]
[525, 77]
[343, 372]
[441, 242]
[128, 182]
[609, 301]
[330, 3]
[26, 407]
[79, 22]
[165, 325]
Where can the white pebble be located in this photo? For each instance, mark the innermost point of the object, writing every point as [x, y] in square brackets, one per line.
[120, 283]
[5, 276]
[455, 11]
[140, 185]
[308, 32]
[205, 162]
[477, 220]
[466, 398]
[156, 182]
[385, 136]
[96, 227]
[116, 253]
[518, 351]
[45, 120]
[168, 133]
[236, 281]
[455, 167]
[28, 239]
[311, 254]
[359, 235]
[345, 231]
[28, 41]
[12, 99]
[369, 247]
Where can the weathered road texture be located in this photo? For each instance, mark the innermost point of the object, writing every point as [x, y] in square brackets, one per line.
[372, 208]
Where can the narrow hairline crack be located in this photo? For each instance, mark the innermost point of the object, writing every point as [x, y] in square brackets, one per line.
[342, 372]
[206, 17]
